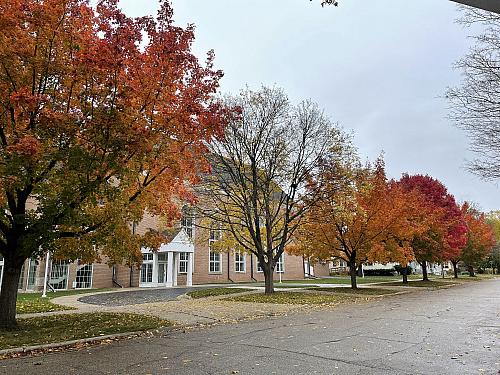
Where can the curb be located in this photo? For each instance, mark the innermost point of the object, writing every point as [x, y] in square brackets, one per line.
[27, 350]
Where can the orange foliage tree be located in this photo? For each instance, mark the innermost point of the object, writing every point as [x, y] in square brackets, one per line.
[360, 217]
[102, 117]
[480, 239]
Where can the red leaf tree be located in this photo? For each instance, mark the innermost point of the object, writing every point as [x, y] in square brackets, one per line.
[446, 234]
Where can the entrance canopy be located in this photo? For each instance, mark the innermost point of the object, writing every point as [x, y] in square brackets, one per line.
[180, 244]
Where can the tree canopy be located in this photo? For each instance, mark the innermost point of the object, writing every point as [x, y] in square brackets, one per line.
[102, 117]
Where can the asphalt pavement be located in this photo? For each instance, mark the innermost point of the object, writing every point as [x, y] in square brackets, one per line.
[135, 297]
[446, 331]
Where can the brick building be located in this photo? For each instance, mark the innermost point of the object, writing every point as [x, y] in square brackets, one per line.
[184, 260]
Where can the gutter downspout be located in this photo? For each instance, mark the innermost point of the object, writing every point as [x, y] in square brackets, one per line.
[228, 276]
[251, 268]
[131, 272]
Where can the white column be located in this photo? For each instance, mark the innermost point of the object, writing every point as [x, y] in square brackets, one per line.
[45, 279]
[170, 268]
[176, 266]
[189, 281]
[155, 268]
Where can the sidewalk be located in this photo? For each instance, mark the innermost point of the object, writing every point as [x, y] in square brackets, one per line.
[183, 311]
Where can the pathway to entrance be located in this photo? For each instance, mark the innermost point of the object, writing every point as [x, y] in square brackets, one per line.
[135, 297]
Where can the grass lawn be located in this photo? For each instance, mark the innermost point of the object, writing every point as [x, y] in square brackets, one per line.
[345, 280]
[210, 292]
[59, 328]
[424, 284]
[478, 277]
[359, 291]
[293, 298]
[29, 303]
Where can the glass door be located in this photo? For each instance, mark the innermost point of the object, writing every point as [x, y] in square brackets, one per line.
[162, 268]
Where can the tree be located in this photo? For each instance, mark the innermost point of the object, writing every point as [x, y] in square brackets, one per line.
[493, 259]
[446, 233]
[360, 216]
[259, 170]
[480, 238]
[474, 104]
[102, 116]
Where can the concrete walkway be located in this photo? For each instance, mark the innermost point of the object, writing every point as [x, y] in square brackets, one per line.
[175, 307]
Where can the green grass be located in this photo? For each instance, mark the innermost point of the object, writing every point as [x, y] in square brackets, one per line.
[423, 284]
[59, 328]
[291, 286]
[210, 292]
[29, 303]
[345, 280]
[360, 291]
[291, 298]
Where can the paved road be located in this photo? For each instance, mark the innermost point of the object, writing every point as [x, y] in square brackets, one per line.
[451, 331]
[135, 297]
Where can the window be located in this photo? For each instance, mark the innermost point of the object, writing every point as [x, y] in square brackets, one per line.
[147, 268]
[21, 278]
[239, 262]
[32, 274]
[187, 224]
[280, 264]
[183, 262]
[278, 267]
[215, 262]
[259, 268]
[59, 275]
[215, 259]
[84, 276]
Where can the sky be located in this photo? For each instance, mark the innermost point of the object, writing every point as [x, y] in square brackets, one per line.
[378, 68]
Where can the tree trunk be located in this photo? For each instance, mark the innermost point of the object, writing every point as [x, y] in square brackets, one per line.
[455, 269]
[353, 273]
[425, 277]
[471, 271]
[404, 271]
[268, 278]
[8, 294]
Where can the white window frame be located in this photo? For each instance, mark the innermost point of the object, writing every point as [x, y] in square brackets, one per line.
[146, 261]
[79, 267]
[215, 235]
[59, 263]
[187, 224]
[279, 267]
[183, 263]
[240, 262]
[30, 275]
[259, 268]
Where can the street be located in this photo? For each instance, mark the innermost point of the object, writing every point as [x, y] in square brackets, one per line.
[447, 331]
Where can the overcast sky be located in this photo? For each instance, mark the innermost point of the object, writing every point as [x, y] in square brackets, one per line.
[379, 68]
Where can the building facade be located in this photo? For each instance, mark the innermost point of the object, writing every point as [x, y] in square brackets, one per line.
[186, 259]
